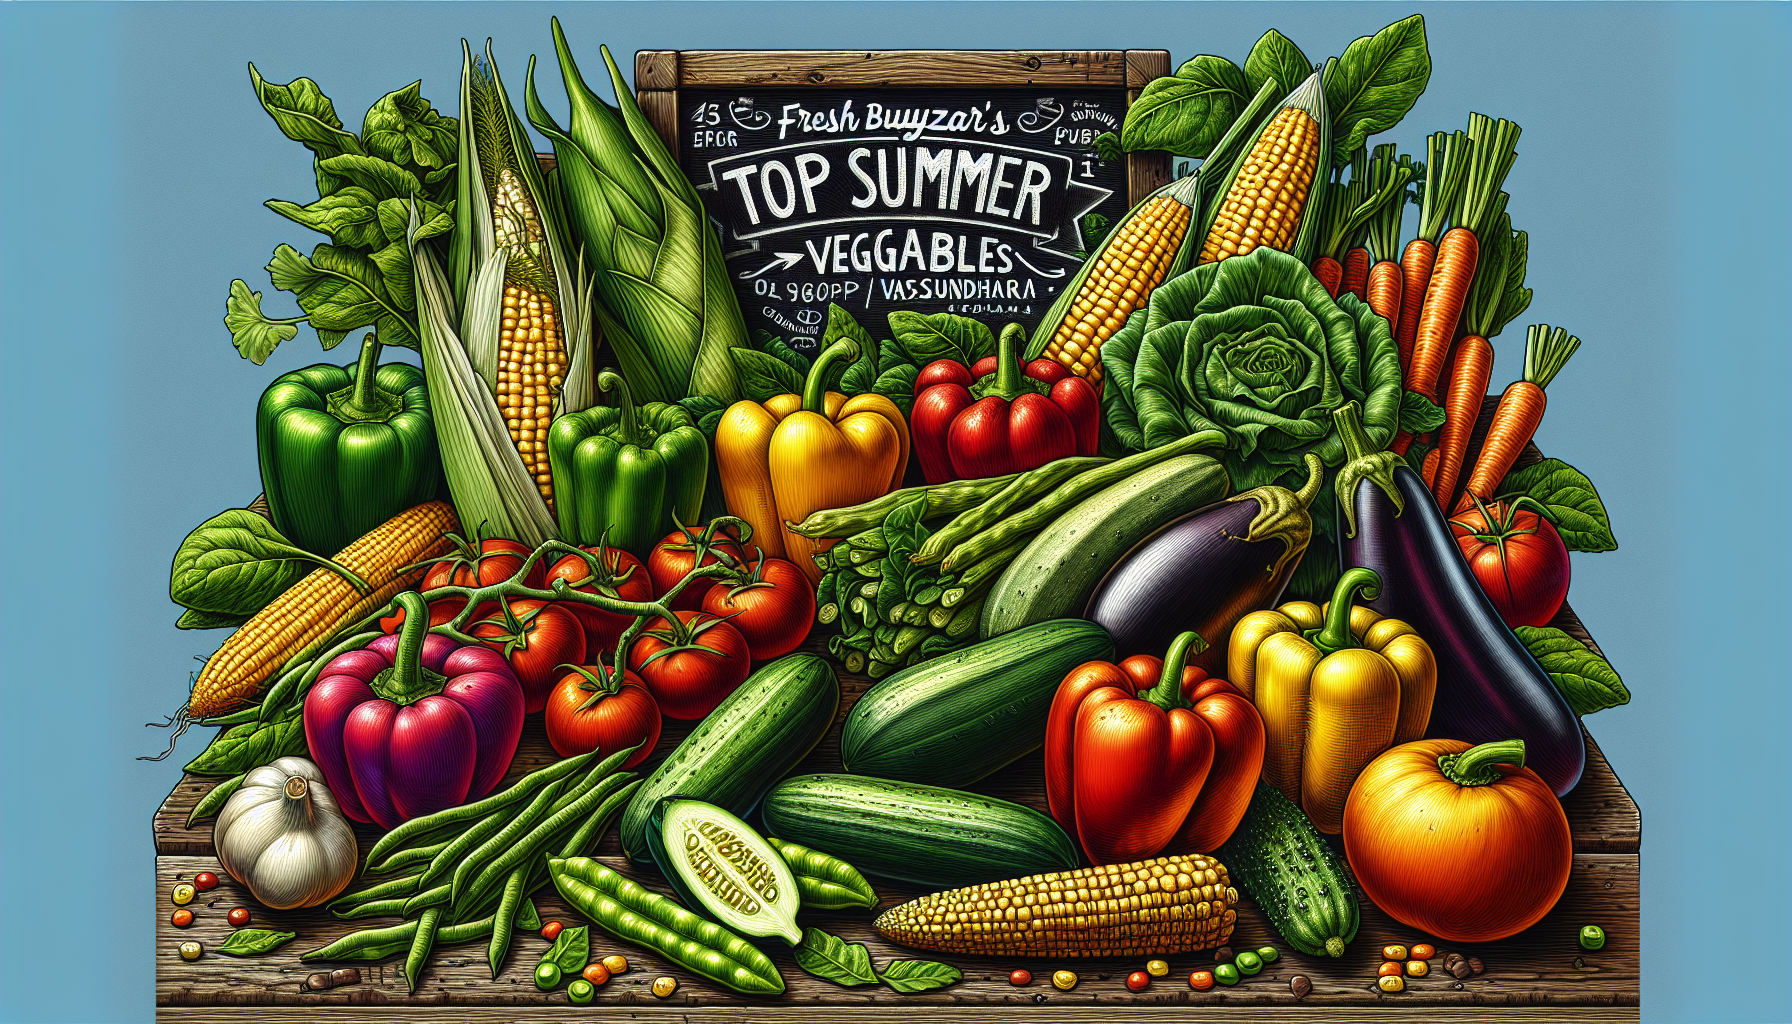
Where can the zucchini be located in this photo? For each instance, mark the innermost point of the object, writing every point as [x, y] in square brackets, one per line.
[956, 718]
[1055, 574]
[722, 869]
[743, 747]
[923, 835]
[1286, 866]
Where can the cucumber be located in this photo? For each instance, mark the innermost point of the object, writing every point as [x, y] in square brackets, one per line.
[952, 720]
[1293, 875]
[1054, 575]
[724, 870]
[743, 747]
[924, 835]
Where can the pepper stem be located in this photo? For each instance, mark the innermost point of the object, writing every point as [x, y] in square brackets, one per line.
[1010, 380]
[815, 386]
[1167, 693]
[366, 391]
[363, 401]
[407, 681]
[1475, 766]
[628, 430]
[1335, 634]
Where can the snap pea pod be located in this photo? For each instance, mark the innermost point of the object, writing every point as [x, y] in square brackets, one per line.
[942, 500]
[380, 943]
[826, 881]
[428, 898]
[1022, 488]
[633, 914]
[1024, 525]
[421, 944]
[399, 887]
[964, 621]
[414, 856]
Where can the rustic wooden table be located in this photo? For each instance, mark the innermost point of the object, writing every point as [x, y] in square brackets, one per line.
[1542, 974]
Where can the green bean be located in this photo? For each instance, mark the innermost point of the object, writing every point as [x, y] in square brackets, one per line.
[367, 944]
[859, 556]
[479, 809]
[990, 539]
[503, 838]
[413, 856]
[942, 499]
[938, 616]
[879, 669]
[428, 898]
[915, 615]
[979, 577]
[870, 540]
[502, 920]
[531, 844]
[1026, 487]
[252, 713]
[402, 887]
[827, 588]
[276, 698]
[393, 907]
[577, 845]
[897, 611]
[528, 919]
[455, 851]
[854, 661]
[421, 945]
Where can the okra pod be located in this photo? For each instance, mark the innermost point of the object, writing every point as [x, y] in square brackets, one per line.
[942, 499]
[827, 613]
[854, 661]
[826, 881]
[897, 612]
[1023, 488]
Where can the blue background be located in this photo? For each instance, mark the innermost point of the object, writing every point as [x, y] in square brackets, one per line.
[1652, 179]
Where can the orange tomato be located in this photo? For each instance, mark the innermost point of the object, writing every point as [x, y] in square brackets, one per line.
[1454, 846]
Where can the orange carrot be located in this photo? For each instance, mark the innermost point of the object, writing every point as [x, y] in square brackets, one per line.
[1520, 410]
[1384, 293]
[1415, 270]
[1329, 273]
[1450, 278]
[1428, 468]
[1469, 371]
[1356, 272]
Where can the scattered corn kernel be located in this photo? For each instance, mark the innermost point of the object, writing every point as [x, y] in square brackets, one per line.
[1391, 983]
[1201, 980]
[1064, 980]
[1393, 952]
[182, 894]
[664, 986]
[1417, 968]
[1424, 951]
[191, 950]
[616, 963]
[1157, 968]
[1389, 969]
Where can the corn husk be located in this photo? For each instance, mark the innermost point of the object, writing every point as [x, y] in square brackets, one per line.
[664, 299]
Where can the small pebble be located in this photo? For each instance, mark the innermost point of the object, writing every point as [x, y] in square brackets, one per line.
[1157, 968]
[664, 986]
[1456, 965]
[318, 982]
[1417, 968]
[1475, 964]
[191, 950]
[1300, 985]
[1222, 955]
[1424, 951]
[1391, 983]
[346, 976]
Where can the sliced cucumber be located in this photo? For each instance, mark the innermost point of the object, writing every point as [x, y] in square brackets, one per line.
[723, 869]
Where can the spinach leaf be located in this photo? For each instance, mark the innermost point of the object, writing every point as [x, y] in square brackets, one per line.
[919, 975]
[898, 385]
[1372, 86]
[402, 127]
[1275, 56]
[1188, 112]
[781, 348]
[931, 336]
[1584, 678]
[305, 114]
[571, 949]
[255, 941]
[762, 376]
[214, 799]
[1418, 414]
[349, 216]
[842, 325]
[254, 333]
[193, 618]
[340, 290]
[832, 959]
[395, 220]
[1574, 506]
[383, 178]
[235, 563]
[250, 745]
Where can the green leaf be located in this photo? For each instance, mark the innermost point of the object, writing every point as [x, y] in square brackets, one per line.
[193, 618]
[571, 950]
[305, 114]
[931, 336]
[1587, 681]
[214, 799]
[1415, 456]
[919, 975]
[832, 959]
[842, 325]
[254, 334]
[1418, 414]
[898, 385]
[350, 217]
[1275, 56]
[1573, 504]
[341, 290]
[236, 563]
[1377, 80]
[890, 355]
[1107, 147]
[706, 410]
[382, 177]
[1188, 112]
[781, 349]
[255, 941]
[395, 218]
[528, 919]
[763, 376]
[402, 127]
[394, 262]
[250, 745]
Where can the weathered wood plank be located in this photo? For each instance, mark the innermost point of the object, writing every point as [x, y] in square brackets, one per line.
[1030, 1014]
[946, 69]
[656, 69]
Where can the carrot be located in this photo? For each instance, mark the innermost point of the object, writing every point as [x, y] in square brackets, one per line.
[1384, 293]
[1329, 273]
[1428, 469]
[1520, 410]
[1469, 371]
[1450, 277]
[1356, 272]
[1415, 273]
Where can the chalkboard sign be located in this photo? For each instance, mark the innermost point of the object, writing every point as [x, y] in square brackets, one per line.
[935, 181]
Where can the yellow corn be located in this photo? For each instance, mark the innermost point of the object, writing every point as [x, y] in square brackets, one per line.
[1154, 907]
[301, 620]
[1134, 261]
[1264, 203]
[531, 345]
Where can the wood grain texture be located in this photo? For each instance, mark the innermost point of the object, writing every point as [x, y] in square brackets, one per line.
[1060, 1014]
[1143, 66]
[944, 69]
[656, 69]
[660, 107]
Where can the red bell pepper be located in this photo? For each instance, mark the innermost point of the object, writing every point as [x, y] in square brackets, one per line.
[1148, 756]
[1012, 418]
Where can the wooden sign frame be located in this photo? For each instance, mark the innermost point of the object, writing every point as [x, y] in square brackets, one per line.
[660, 74]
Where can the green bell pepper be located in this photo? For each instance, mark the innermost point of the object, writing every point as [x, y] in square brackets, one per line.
[345, 448]
[623, 472]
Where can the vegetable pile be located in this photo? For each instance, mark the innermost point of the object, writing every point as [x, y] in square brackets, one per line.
[1236, 534]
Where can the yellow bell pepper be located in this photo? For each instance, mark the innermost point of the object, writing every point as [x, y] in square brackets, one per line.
[790, 456]
[1336, 686]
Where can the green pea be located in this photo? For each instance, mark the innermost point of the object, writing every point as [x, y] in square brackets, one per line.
[1226, 974]
[1592, 937]
[547, 976]
[1268, 954]
[1248, 963]
[580, 991]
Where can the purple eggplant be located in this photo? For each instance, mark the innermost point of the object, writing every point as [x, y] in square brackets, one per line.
[1489, 688]
[1205, 571]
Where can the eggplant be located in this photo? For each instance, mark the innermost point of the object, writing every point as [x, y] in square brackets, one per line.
[1489, 688]
[1206, 570]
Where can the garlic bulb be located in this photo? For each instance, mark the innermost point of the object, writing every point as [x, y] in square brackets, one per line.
[282, 835]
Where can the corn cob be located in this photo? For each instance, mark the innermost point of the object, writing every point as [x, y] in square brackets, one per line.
[1267, 191]
[304, 618]
[1162, 906]
[1135, 258]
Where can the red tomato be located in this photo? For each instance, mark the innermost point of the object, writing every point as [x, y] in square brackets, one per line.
[491, 561]
[440, 610]
[772, 610]
[676, 555]
[239, 917]
[698, 673]
[537, 637]
[204, 881]
[1519, 559]
[623, 577]
[591, 709]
